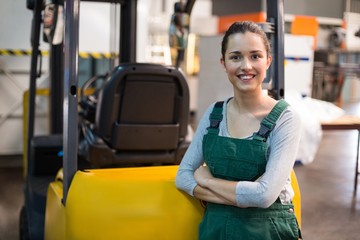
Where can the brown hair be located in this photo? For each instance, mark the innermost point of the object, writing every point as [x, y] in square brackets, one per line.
[243, 27]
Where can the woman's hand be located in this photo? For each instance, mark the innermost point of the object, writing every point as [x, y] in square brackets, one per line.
[213, 189]
[202, 176]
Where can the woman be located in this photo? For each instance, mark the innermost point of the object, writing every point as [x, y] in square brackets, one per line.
[249, 144]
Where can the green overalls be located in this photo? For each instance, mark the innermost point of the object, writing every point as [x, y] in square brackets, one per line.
[243, 160]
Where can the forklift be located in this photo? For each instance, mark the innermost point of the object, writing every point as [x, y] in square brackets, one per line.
[121, 188]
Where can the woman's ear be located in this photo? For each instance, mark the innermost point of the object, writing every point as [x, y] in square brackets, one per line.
[222, 62]
[269, 60]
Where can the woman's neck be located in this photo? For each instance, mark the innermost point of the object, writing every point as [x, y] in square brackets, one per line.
[252, 102]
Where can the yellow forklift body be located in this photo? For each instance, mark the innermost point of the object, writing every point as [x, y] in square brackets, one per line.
[297, 197]
[124, 203]
[127, 203]
[55, 211]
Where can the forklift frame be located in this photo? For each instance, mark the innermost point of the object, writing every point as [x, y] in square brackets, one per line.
[64, 84]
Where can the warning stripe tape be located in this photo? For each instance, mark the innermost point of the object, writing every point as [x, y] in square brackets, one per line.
[20, 52]
[96, 55]
[14, 52]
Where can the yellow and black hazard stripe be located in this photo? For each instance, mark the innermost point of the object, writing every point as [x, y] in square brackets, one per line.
[14, 52]
[21, 52]
[96, 55]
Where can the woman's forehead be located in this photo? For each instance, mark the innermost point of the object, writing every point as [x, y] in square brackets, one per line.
[247, 41]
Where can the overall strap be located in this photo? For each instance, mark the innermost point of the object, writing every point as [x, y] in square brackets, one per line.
[216, 117]
[269, 122]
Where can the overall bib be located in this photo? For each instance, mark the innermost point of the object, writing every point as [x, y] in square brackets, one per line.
[243, 160]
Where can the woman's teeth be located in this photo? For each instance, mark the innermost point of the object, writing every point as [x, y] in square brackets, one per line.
[246, 77]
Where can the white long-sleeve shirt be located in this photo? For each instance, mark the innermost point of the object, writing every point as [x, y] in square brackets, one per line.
[282, 143]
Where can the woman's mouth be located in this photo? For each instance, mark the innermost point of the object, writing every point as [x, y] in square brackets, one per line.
[246, 77]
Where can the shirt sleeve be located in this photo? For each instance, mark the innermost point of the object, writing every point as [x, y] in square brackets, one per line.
[283, 144]
[193, 157]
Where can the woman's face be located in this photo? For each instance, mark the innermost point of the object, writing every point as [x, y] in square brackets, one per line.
[246, 61]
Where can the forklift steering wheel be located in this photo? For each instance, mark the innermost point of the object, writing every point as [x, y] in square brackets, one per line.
[88, 101]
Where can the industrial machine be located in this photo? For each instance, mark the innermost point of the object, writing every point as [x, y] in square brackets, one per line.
[132, 138]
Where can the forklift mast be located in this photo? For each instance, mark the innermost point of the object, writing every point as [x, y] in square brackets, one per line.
[56, 83]
[37, 7]
[275, 16]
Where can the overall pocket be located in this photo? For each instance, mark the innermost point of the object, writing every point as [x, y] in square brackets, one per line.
[261, 229]
[286, 228]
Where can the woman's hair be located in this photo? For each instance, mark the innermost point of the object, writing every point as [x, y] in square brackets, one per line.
[243, 27]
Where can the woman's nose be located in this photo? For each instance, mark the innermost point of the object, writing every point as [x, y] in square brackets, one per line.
[245, 64]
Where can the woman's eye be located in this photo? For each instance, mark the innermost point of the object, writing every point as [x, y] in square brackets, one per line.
[255, 56]
[235, 57]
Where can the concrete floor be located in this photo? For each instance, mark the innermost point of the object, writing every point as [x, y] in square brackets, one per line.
[329, 209]
[11, 197]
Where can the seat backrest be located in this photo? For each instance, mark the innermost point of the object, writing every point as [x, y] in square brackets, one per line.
[143, 107]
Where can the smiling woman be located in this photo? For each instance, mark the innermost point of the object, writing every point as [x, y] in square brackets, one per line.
[248, 143]
[245, 56]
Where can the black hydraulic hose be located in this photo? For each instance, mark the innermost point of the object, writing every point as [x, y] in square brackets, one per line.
[35, 38]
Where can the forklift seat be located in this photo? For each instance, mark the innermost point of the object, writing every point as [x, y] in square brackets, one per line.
[142, 117]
